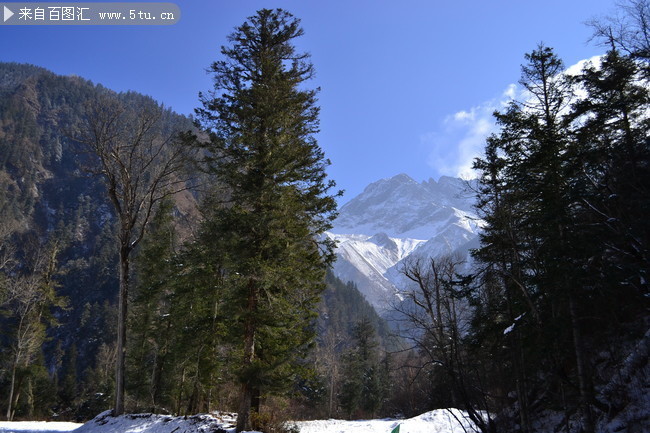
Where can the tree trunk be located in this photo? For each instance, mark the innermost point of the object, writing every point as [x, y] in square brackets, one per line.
[247, 392]
[121, 330]
[30, 399]
[244, 412]
[333, 376]
[11, 393]
[583, 380]
[519, 364]
[256, 399]
[17, 390]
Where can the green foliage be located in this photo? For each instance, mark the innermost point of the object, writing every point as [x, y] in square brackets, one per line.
[564, 255]
[276, 204]
[340, 309]
[175, 324]
[365, 376]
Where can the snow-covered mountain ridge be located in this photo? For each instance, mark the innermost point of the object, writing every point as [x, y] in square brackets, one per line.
[401, 207]
[398, 219]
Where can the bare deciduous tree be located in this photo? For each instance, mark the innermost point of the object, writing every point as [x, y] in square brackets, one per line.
[141, 162]
[328, 364]
[627, 31]
[437, 320]
[28, 295]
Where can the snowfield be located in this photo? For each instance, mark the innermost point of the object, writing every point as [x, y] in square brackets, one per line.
[437, 421]
[148, 423]
[37, 427]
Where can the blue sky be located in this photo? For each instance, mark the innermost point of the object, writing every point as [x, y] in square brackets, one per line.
[407, 86]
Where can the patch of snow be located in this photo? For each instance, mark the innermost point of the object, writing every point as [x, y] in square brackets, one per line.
[437, 421]
[509, 329]
[37, 426]
[151, 423]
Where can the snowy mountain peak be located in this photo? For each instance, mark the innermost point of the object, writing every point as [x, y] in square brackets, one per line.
[401, 207]
[395, 218]
[381, 191]
[398, 179]
[401, 178]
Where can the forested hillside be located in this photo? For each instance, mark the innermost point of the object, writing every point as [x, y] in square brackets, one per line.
[60, 280]
[58, 226]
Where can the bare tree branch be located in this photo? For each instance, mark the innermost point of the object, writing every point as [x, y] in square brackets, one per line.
[142, 163]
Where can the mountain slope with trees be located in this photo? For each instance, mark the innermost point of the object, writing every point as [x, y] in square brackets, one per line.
[58, 236]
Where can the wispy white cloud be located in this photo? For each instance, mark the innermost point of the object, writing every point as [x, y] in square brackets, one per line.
[578, 67]
[510, 92]
[461, 136]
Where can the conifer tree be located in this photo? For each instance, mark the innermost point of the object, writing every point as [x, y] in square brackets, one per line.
[176, 322]
[267, 229]
[364, 382]
[525, 197]
[612, 154]
[149, 327]
[563, 190]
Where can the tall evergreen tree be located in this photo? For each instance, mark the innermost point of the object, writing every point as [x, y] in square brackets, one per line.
[525, 197]
[364, 378]
[277, 204]
[565, 251]
[612, 153]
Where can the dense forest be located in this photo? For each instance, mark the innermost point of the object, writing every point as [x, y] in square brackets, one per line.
[150, 262]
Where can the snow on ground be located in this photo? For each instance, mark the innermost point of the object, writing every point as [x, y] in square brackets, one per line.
[148, 423]
[37, 427]
[437, 421]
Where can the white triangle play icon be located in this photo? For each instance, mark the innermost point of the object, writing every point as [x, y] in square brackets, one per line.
[8, 13]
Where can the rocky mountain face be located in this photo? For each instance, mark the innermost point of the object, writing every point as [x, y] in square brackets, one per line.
[396, 220]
